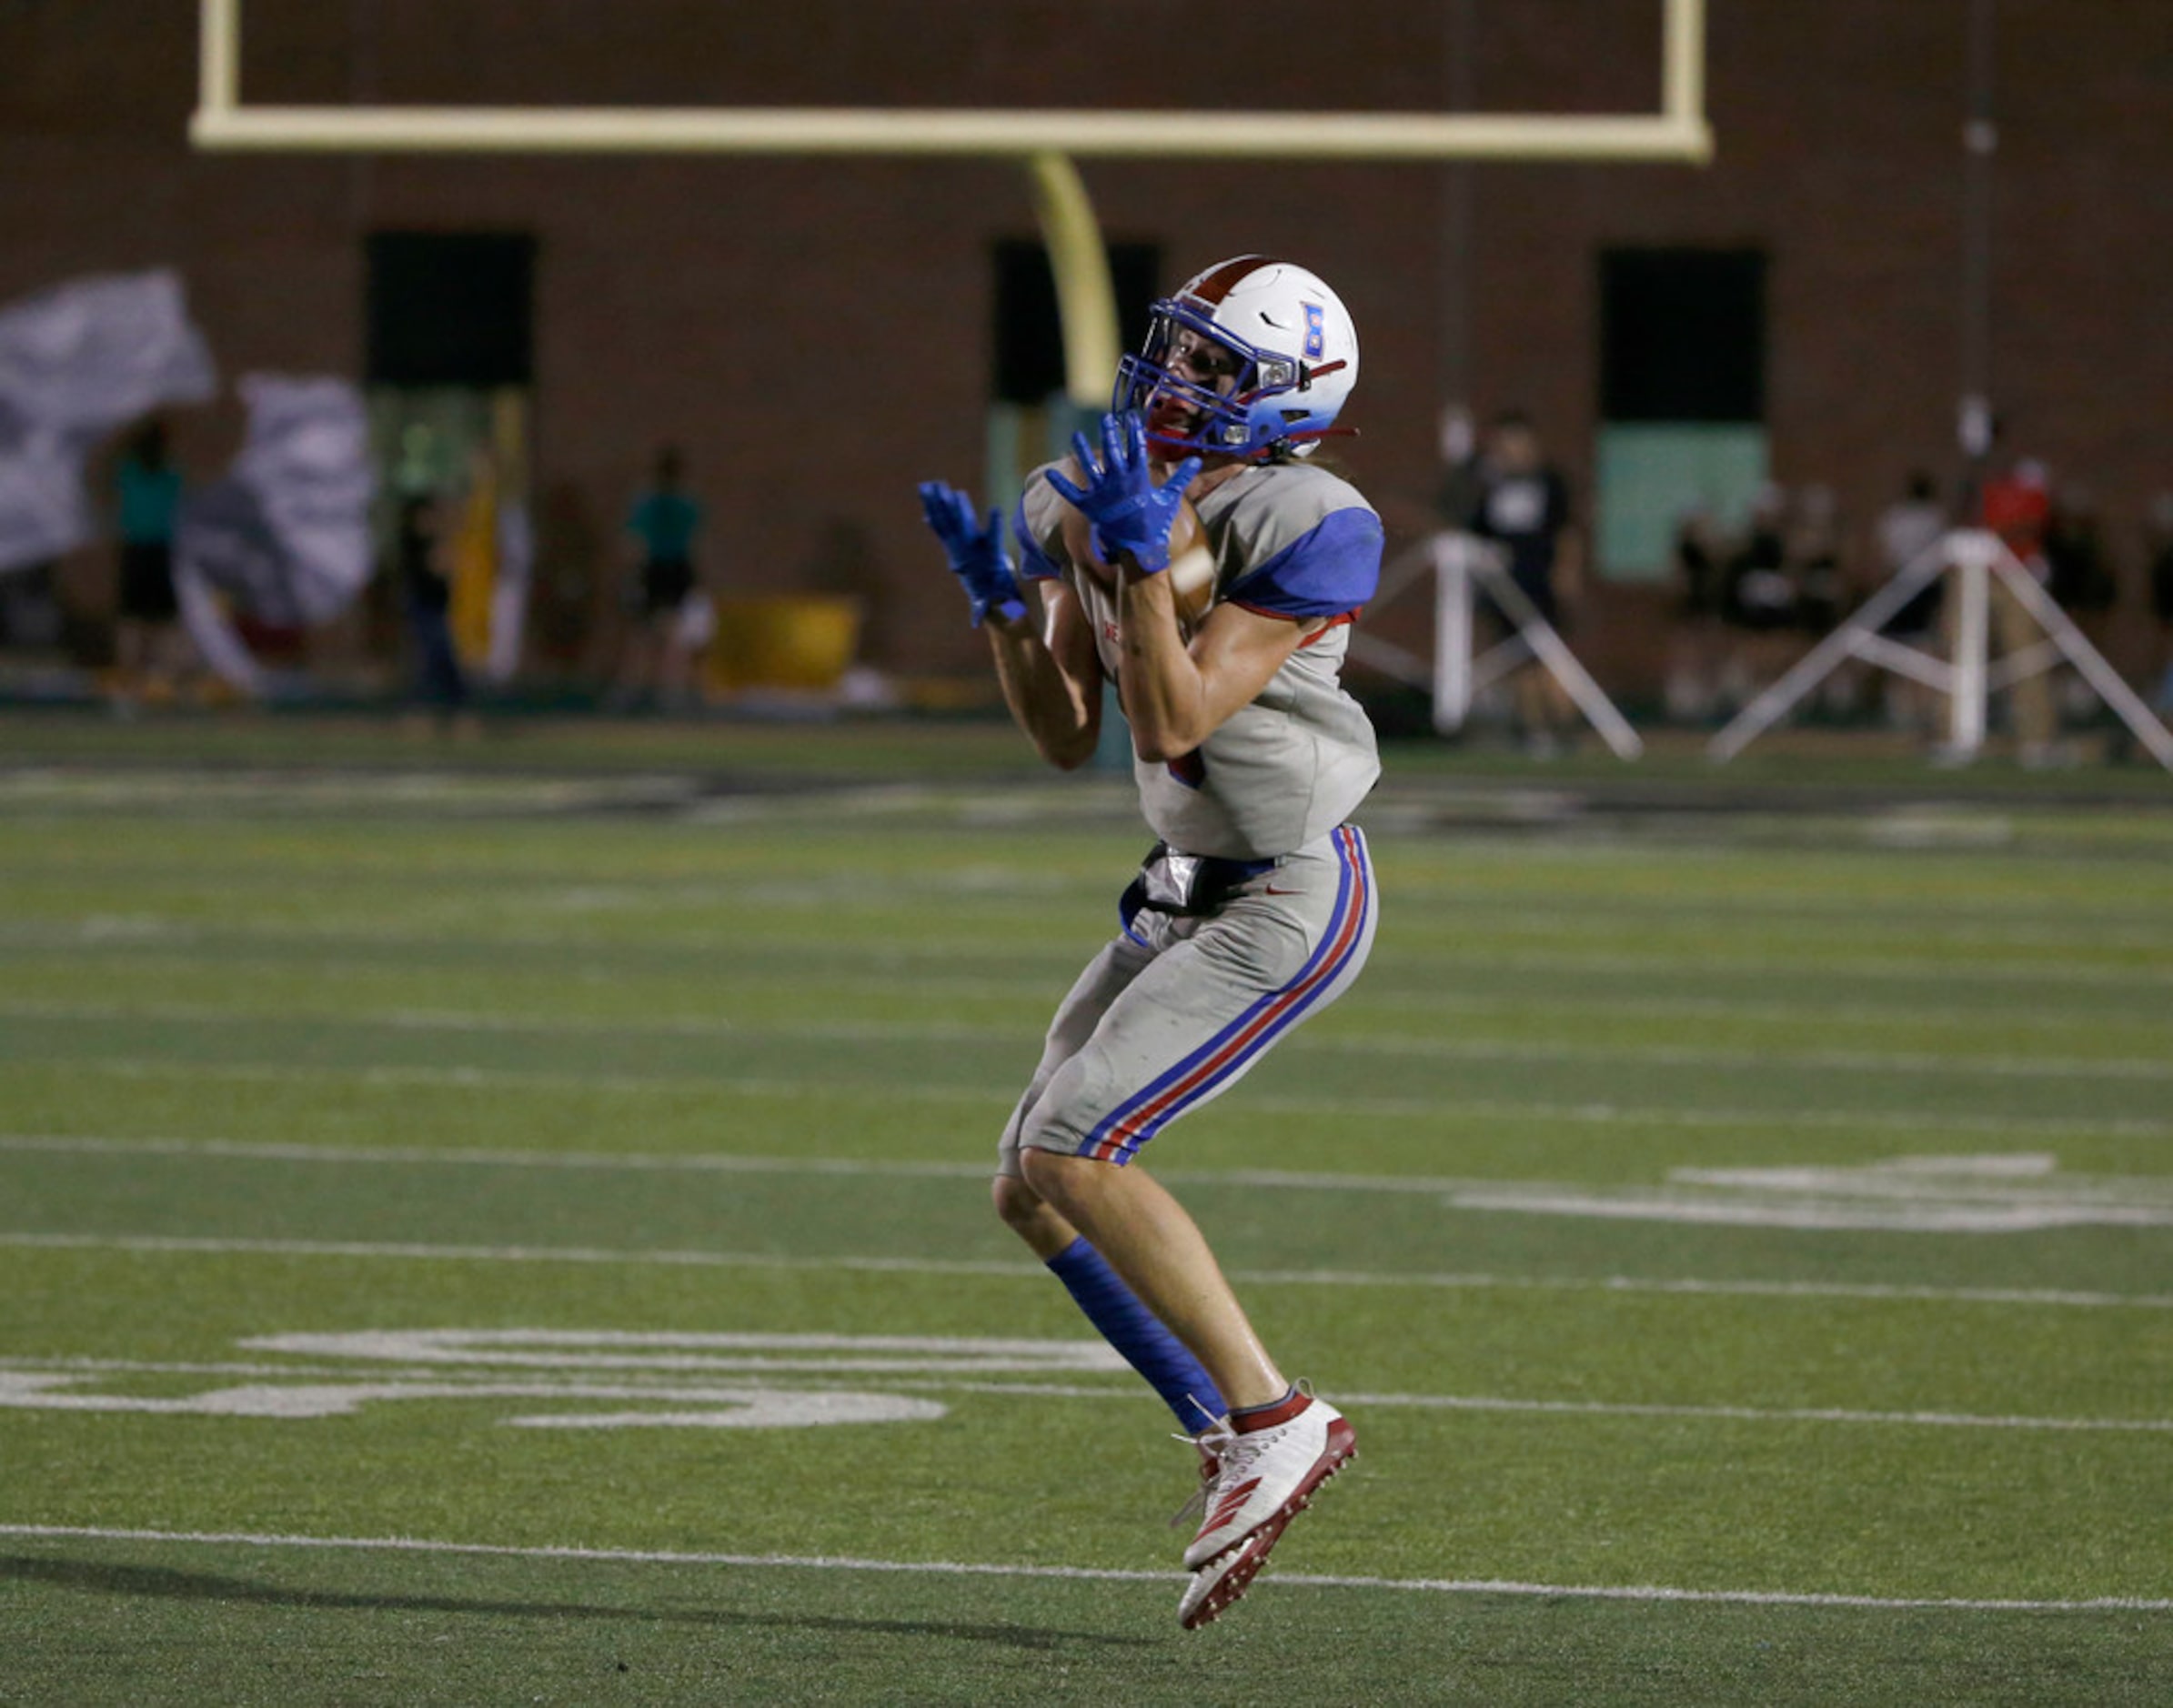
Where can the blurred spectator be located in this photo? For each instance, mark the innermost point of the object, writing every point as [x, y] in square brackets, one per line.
[672, 619]
[1814, 552]
[2078, 572]
[2017, 506]
[1757, 593]
[1821, 584]
[569, 552]
[1905, 531]
[1697, 643]
[427, 593]
[2158, 534]
[1462, 482]
[1758, 600]
[150, 648]
[2079, 575]
[1523, 506]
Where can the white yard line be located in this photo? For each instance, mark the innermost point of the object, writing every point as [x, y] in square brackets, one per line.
[953, 1568]
[1847, 1007]
[1892, 1184]
[152, 930]
[1344, 1107]
[664, 1382]
[1601, 1407]
[503, 1253]
[1415, 1046]
[224, 1367]
[501, 1078]
[418, 1252]
[1757, 1415]
[423, 1156]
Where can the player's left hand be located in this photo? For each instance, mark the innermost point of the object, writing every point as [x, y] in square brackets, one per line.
[1130, 512]
[977, 556]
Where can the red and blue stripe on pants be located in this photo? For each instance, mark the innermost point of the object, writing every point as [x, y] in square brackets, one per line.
[1118, 1136]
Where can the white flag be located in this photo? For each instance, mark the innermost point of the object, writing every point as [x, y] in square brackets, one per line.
[76, 362]
[44, 510]
[284, 538]
[286, 535]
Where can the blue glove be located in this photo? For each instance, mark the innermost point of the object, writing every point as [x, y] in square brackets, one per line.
[1130, 513]
[977, 556]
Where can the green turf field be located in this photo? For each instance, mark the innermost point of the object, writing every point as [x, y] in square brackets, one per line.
[511, 1226]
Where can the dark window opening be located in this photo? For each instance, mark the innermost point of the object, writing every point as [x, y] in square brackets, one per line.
[450, 308]
[1682, 334]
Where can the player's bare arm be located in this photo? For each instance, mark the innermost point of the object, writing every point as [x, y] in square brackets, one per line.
[1176, 694]
[1052, 678]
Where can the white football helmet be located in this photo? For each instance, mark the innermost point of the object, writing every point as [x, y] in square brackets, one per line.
[1297, 362]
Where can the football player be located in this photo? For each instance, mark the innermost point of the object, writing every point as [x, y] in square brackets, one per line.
[1255, 908]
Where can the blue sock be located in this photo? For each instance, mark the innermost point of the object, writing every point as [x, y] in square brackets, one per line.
[1137, 1332]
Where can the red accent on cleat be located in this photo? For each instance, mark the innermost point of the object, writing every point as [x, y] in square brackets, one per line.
[1266, 1417]
[1226, 1507]
[1218, 1584]
[1281, 1468]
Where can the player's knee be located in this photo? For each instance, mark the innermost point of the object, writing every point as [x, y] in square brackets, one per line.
[1052, 1175]
[1018, 1205]
[1047, 1232]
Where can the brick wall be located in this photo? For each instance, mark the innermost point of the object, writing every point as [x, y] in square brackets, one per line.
[816, 331]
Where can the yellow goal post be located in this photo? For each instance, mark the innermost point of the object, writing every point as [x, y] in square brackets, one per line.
[1044, 140]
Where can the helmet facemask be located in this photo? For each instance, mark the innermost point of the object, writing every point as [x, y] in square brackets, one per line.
[1237, 422]
[1185, 417]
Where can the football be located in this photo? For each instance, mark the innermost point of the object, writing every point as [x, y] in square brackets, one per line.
[1192, 569]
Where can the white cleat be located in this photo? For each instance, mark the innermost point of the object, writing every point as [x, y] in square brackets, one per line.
[1267, 1476]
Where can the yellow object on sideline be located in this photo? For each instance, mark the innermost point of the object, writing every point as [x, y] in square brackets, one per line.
[783, 640]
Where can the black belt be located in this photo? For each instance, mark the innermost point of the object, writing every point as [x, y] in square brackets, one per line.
[1188, 885]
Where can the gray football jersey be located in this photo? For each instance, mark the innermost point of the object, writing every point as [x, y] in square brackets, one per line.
[1287, 768]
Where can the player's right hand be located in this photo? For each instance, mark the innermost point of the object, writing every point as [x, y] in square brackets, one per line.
[977, 556]
[1131, 512]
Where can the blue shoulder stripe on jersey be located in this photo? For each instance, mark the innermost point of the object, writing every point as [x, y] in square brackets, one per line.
[1034, 564]
[1333, 568]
